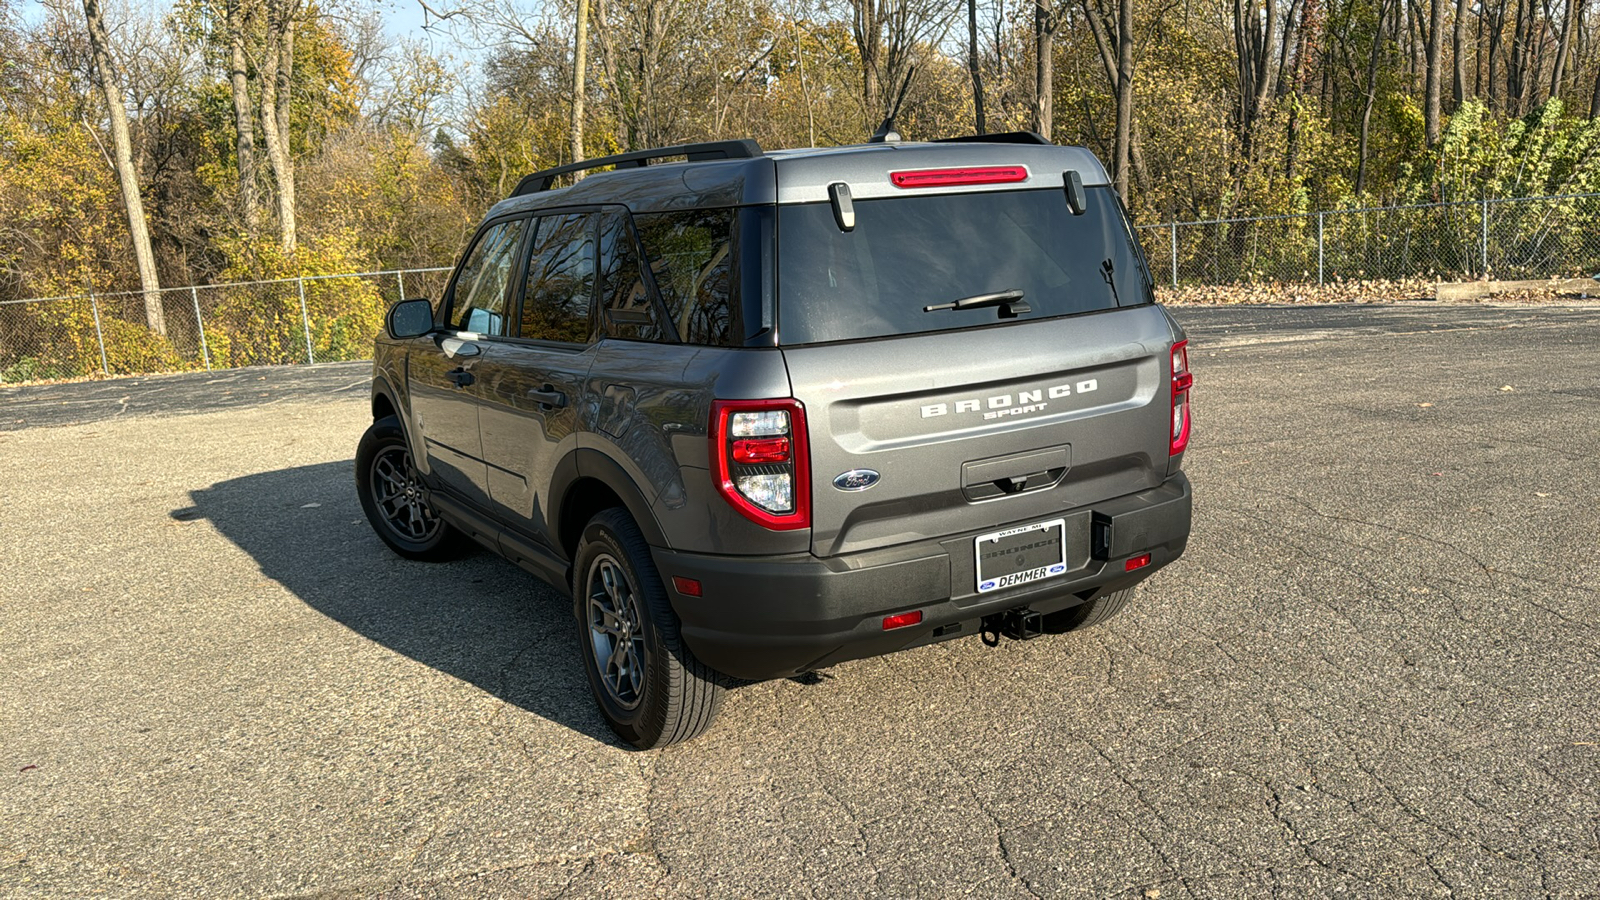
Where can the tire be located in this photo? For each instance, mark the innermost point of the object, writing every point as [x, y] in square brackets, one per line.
[394, 499]
[1090, 614]
[650, 688]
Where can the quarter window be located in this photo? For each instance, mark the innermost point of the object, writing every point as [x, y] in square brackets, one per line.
[561, 280]
[481, 289]
[691, 257]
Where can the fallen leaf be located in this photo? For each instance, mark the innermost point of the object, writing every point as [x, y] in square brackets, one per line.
[1540, 494]
[27, 768]
[1424, 405]
[1507, 388]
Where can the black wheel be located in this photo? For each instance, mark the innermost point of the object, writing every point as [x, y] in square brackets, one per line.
[650, 688]
[395, 501]
[1087, 615]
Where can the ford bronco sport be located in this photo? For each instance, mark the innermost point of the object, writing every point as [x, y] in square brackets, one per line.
[759, 412]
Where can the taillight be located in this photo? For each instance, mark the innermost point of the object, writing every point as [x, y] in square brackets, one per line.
[760, 460]
[951, 177]
[1182, 380]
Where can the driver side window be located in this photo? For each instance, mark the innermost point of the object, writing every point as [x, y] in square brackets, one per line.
[482, 288]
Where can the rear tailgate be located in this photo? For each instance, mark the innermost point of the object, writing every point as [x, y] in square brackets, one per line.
[973, 429]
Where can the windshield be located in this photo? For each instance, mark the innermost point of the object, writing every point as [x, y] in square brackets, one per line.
[910, 252]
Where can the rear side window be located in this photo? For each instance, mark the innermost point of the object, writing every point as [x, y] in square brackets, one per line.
[691, 257]
[561, 280]
[910, 252]
[623, 292]
[481, 290]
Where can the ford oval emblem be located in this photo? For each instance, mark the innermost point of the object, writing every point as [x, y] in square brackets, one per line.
[855, 480]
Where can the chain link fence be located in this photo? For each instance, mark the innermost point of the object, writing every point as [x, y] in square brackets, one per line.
[317, 318]
[1519, 239]
[335, 317]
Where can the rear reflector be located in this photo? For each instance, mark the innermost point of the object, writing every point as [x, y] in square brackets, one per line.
[902, 620]
[686, 586]
[951, 177]
[1138, 562]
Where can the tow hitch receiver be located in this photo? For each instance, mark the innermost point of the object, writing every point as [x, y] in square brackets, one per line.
[1020, 624]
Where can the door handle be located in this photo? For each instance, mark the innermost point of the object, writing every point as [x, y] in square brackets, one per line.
[461, 377]
[548, 397]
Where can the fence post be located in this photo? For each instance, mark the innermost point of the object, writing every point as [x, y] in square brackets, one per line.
[1320, 215]
[99, 337]
[1484, 232]
[305, 321]
[205, 352]
[401, 277]
[1174, 254]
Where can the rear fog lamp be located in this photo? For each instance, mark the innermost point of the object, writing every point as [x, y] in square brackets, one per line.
[1138, 562]
[903, 620]
[688, 587]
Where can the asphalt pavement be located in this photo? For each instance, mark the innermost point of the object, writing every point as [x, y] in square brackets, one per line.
[1374, 673]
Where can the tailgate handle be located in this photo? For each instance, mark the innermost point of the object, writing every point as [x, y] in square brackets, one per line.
[1004, 475]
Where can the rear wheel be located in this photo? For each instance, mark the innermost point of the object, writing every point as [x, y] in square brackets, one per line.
[1087, 615]
[651, 689]
[394, 499]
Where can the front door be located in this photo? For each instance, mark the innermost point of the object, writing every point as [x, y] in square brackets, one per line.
[446, 367]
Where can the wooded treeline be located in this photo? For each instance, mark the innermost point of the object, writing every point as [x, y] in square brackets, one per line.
[224, 140]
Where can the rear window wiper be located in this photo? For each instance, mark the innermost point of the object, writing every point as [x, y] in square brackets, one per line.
[1010, 302]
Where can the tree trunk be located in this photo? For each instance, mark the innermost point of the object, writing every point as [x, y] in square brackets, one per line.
[1516, 88]
[1124, 139]
[869, 44]
[1366, 109]
[1432, 109]
[276, 71]
[122, 162]
[1497, 24]
[243, 122]
[1594, 99]
[1561, 50]
[1458, 49]
[580, 68]
[973, 64]
[1044, 38]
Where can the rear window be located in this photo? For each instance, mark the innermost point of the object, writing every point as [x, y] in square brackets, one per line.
[909, 252]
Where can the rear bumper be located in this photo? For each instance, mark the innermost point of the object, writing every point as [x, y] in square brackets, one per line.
[769, 617]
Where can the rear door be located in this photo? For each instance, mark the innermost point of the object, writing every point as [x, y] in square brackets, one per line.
[970, 419]
[534, 406]
[444, 368]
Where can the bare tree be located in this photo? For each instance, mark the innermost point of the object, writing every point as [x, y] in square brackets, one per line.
[1044, 40]
[1431, 110]
[1562, 48]
[974, 64]
[1116, 57]
[580, 68]
[1255, 36]
[243, 117]
[277, 74]
[1458, 51]
[1371, 94]
[106, 78]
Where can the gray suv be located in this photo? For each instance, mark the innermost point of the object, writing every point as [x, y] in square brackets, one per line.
[759, 413]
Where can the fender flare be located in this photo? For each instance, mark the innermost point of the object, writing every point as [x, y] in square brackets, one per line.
[587, 463]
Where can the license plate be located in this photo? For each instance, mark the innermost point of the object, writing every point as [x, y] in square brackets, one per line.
[1021, 555]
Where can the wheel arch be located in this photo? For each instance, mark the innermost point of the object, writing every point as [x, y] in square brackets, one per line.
[597, 483]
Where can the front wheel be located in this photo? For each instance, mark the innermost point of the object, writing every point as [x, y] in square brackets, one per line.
[651, 689]
[394, 499]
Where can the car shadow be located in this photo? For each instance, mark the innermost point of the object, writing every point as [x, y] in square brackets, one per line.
[479, 618]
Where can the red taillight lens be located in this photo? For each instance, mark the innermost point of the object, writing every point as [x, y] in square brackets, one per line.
[755, 452]
[1182, 381]
[903, 620]
[950, 177]
[760, 460]
[689, 587]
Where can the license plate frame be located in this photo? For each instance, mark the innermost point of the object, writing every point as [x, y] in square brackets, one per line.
[1005, 569]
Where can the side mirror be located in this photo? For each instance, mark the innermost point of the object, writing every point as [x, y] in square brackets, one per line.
[410, 318]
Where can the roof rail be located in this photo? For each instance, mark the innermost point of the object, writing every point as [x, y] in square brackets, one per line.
[741, 149]
[1004, 137]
